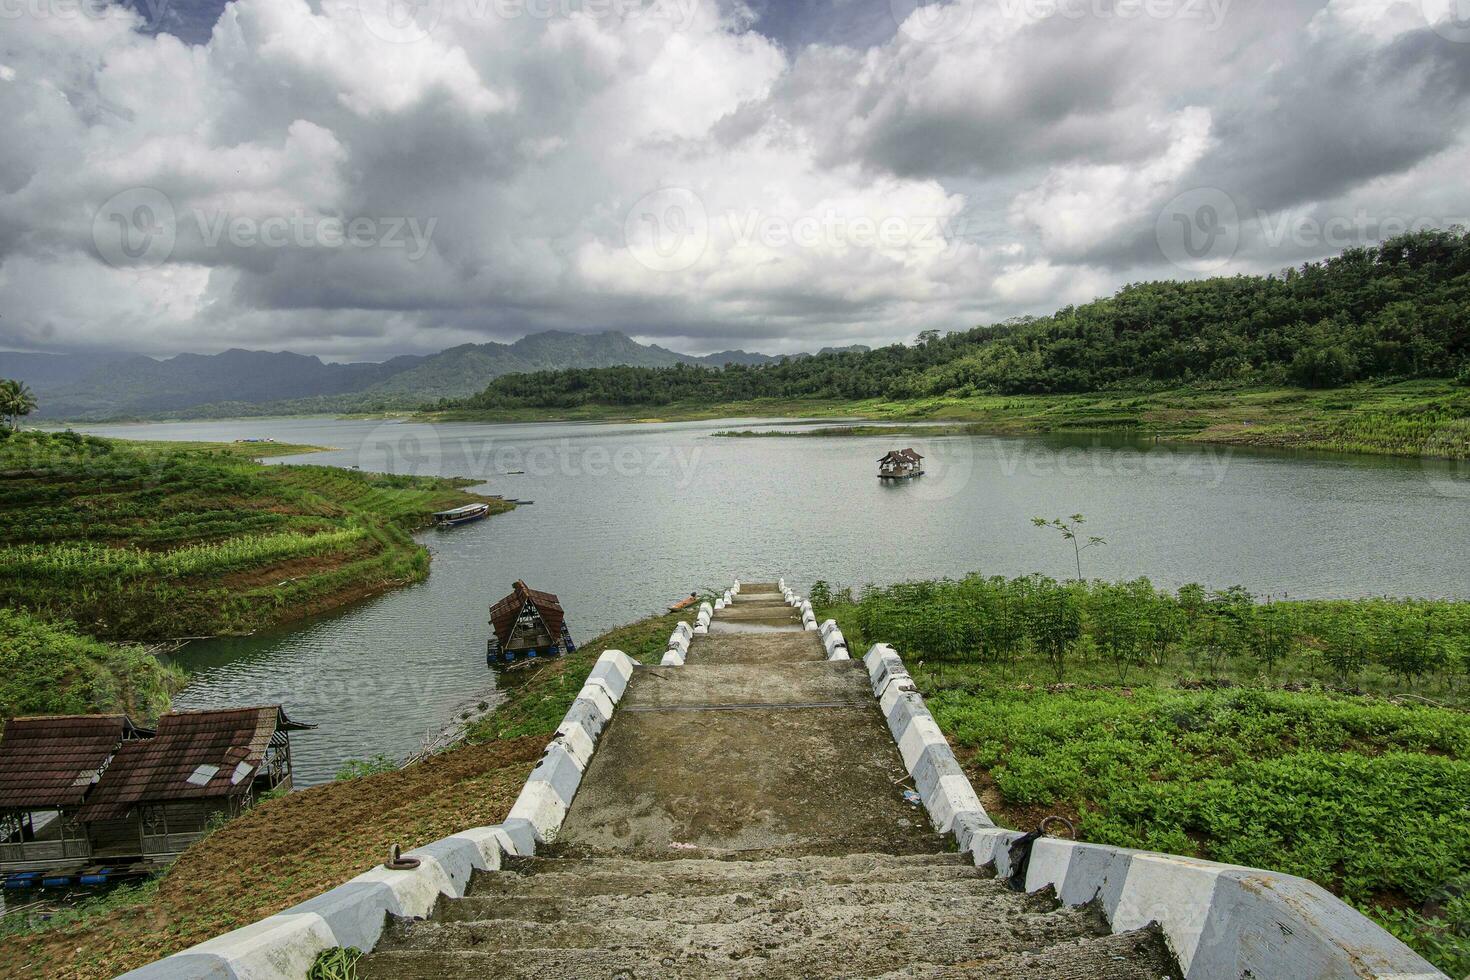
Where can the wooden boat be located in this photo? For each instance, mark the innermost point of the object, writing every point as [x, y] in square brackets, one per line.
[692, 600]
[461, 515]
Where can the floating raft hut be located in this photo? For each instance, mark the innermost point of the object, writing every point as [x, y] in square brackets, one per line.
[525, 625]
[900, 464]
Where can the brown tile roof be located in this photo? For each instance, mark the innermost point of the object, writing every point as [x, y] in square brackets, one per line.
[901, 455]
[160, 768]
[53, 760]
[503, 614]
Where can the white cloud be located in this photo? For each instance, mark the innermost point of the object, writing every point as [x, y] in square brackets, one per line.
[843, 195]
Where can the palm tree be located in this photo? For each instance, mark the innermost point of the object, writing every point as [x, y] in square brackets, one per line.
[16, 401]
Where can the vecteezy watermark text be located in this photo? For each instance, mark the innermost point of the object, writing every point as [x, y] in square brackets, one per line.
[1201, 229]
[942, 21]
[1207, 464]
[422, 450]
[140, 228]
[669, 230]
[1340, 231]
[153, 12]
[302, 230]
[406, 21]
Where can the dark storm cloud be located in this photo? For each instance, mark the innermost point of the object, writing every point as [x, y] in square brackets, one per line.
[685, 178]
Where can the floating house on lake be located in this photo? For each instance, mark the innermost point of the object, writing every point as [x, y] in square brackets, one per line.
[527, 624]
[900, 464]
[48, 765]
[75, 790]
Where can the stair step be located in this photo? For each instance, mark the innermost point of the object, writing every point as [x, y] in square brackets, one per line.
[1141, 954]
[970, 949]
[900, 934]
[706, 877]
[653, 882]
[841, 863]
[759, 610]
[689, 905]
[771, 647]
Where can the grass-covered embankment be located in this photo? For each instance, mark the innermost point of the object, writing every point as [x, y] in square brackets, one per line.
[116, 541]
[48, 668]
[289, 849]
[1315, 738]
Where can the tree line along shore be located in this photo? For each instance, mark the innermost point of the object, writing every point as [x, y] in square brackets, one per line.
[1368, 351]
[109, 546]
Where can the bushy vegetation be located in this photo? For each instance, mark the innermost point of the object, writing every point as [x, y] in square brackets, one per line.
[134, 541]
[86, 560]
[1318, 738]
[141, 541]
[48, 669]
[1046, 631]
[1397, 310]
[1364, 797]
[16, 402]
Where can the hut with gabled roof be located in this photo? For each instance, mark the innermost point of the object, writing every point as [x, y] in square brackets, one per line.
[900, 464]
[158, 796]
[48, 766]
[527, 624]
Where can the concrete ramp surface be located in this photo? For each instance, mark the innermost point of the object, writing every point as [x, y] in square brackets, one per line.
[744, 815]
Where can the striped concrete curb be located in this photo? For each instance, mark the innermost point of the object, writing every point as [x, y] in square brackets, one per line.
[833, 640]
[942, 785]
[684, 634]
[1222, 921]
[283, 946]
[678, 646]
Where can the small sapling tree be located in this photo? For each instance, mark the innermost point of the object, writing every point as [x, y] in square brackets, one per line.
[1071, 531]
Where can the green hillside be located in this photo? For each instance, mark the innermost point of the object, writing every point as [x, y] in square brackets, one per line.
[1397, 311]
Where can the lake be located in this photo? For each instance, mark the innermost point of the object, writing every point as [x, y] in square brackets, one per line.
[629, 517]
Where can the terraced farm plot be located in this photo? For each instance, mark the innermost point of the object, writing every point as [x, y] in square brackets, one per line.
[151, 541]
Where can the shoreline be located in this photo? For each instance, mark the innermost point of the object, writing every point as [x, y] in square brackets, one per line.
[1422, 418]
[1427, 419]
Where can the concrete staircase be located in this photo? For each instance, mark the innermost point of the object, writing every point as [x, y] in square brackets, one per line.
[744, 816]
[864, 915]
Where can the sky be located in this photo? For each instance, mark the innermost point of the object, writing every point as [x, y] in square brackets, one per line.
[358, 179]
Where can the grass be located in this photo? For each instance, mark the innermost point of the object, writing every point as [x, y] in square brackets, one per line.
[127, 541]
[239, 450]
[1412, 418]
[1361, 784]
[286, 850]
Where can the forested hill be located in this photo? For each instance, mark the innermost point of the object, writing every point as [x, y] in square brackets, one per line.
[1398, 310]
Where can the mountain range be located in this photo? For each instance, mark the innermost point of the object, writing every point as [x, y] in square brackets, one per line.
[237, 382]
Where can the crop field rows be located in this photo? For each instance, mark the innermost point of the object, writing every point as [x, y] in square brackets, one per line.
[126, 542]
[1327, 739]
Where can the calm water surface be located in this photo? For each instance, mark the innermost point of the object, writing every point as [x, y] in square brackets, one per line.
[629, 517]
